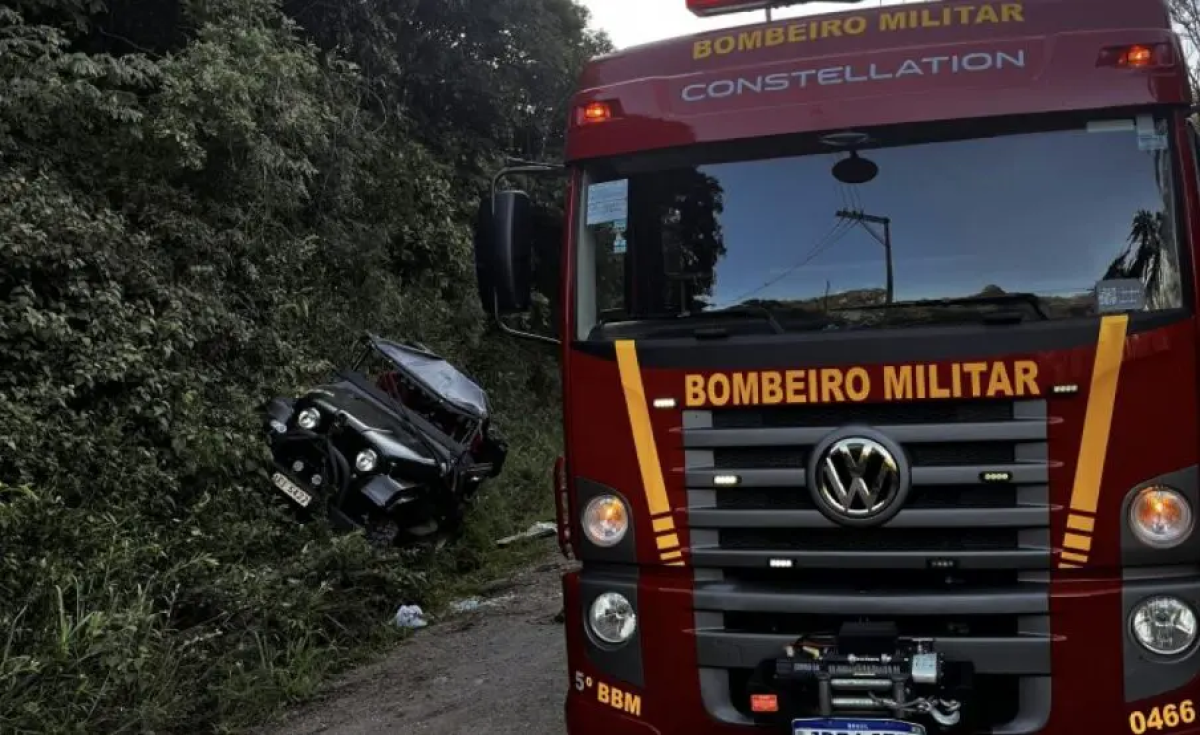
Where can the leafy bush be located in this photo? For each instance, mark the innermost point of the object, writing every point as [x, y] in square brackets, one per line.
[200, 206]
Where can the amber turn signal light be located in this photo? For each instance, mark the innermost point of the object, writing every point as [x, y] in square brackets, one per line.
[597, 112]
[1136, 56]
[1160, 517]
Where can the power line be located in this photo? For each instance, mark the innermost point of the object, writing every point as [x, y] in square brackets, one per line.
[857, 216]
[837, 232]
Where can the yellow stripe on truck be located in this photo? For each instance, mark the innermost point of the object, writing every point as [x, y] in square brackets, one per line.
[1093, 447]
[638, 408]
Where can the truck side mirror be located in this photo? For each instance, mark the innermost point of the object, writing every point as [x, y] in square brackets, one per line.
[504, 252]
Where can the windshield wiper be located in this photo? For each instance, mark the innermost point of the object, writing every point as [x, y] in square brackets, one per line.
[740, 310]
[1030, 299]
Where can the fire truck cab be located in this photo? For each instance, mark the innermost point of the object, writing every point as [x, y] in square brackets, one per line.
[879, 363]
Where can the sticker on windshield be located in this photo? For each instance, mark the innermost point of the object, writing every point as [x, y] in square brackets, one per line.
[1148, 135]
[1152, 142]
[619, 243]
[1120, 294]
[607, 202]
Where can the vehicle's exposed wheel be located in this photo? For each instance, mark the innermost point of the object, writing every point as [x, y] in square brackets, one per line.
[453, 519]
[430, 535]
[382, 532]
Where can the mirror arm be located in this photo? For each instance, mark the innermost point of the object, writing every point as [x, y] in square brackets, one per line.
[516, 332]
[522, 167]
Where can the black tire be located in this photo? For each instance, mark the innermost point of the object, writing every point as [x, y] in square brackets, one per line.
[382, 532]
[449, 527]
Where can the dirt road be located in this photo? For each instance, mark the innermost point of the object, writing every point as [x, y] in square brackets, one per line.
[500, 670]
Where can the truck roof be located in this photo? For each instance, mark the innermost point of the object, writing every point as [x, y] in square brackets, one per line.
[834, 70]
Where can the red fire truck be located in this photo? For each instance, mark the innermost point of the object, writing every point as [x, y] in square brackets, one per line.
[879, 356]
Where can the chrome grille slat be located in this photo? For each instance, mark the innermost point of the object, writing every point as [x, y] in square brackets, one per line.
[940, 497]
[1016, 559]
[933, 540]
[1030, 472]
[1018, 600]
[1017, 430]
[1015, 517]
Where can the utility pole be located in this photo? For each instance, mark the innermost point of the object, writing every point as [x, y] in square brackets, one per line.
[866, 220]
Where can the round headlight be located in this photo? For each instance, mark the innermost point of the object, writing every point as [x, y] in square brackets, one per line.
[309, 418]
[612, 618]
[605, 520]
[1164, 625]
[366, 460]
[1160, 517]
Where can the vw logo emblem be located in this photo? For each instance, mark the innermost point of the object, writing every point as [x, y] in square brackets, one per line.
[858, 477]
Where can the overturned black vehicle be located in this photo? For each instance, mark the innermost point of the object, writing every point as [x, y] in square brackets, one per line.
[397, 444]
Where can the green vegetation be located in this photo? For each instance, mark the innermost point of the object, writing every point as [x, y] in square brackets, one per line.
[201, 203]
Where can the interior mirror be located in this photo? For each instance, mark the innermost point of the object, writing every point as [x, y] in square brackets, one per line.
[503, 252]
[855, 169]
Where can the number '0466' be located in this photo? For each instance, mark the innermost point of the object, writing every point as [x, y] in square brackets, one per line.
[1162, 718]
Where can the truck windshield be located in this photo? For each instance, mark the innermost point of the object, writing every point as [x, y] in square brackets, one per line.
[1071, 222]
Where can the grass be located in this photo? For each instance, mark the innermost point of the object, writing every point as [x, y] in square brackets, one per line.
[113, 622]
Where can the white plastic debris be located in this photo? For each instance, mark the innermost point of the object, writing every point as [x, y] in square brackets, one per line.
[537, 530]
[474, 603]
[462, 606]
[411, 617]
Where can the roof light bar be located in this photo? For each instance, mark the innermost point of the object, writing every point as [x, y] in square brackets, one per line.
[706, 8]
[1137, 56]
[597, 111]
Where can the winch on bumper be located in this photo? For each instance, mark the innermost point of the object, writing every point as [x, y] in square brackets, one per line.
[865, 671]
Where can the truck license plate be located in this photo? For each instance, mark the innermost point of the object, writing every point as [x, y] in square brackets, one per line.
[291, 489]
[832, 726]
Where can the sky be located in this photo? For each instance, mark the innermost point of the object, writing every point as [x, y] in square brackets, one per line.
[964, 215]
[632, 22]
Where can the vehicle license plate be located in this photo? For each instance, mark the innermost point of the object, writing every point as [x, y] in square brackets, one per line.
[291, 489]
[833, 726]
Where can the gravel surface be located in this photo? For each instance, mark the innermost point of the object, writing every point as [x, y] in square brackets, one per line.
[500, 669]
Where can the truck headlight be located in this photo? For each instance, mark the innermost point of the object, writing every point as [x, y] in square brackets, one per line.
[1160, 517]
[612, 618]
[366, 460]
[605, 520]
[308, 419]
[1163, 625]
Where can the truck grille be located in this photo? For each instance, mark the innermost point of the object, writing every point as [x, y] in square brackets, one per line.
[965, 562]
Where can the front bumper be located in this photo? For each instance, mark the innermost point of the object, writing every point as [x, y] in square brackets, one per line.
[1097, 680]
[301, 456]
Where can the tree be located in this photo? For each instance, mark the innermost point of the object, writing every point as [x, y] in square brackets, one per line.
[1186, 16]
[1145, 258]
[689, 205]
[201, 204]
